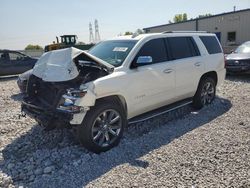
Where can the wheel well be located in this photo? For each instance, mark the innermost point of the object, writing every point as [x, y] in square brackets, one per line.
[212, 75]
[118, 99]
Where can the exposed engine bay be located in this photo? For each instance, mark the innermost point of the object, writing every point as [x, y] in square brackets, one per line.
[48, 92]
[54, 101]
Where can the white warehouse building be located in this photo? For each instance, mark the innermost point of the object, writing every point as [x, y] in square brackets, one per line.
[231, 28]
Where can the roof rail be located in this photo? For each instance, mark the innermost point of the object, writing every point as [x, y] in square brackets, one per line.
[184, 32]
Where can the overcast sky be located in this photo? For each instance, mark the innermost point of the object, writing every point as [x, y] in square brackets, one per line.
[25, 22]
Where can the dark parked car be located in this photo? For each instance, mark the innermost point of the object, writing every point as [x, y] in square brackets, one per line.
[239, 60]
[13, 62]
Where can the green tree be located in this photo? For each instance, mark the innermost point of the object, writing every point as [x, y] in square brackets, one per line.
[204, 15]
[137, 32]
[180, 18]
[177, 18]
[184, 17]
[33, 47]
[128, 33]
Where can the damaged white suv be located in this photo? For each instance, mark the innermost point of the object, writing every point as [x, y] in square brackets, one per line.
[123, 80]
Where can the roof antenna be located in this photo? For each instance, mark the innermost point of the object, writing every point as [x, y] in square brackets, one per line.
[234, 8]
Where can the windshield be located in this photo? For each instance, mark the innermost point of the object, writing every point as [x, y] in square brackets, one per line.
[244, 48]
[113, 52]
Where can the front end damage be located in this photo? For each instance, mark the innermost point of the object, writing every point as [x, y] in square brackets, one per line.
[60, 90]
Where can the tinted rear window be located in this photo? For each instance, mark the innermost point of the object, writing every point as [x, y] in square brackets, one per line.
[182, 47]
[211, 44]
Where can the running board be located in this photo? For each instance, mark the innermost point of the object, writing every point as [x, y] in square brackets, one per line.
[159, 111]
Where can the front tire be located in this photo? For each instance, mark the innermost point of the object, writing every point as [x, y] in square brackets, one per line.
[102, 127]
[205, 93]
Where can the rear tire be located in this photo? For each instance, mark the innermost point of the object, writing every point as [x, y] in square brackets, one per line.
[205, 93]
[102, 127]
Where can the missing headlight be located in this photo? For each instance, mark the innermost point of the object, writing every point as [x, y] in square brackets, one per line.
[67, 102]
[77, 92]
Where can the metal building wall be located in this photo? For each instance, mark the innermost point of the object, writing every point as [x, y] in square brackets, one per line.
[190, 26]
[235, 22]
[238, 22]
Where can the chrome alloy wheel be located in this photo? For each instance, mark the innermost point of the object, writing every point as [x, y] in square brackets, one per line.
[207, 93]
[106, 128]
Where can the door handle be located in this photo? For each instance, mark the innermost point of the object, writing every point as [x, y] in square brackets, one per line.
[197, 64]
[167, 71]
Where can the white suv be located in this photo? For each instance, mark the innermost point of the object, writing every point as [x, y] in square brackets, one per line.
[123, 80]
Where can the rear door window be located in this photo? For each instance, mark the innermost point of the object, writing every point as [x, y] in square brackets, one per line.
[211, 44]
[182, 47]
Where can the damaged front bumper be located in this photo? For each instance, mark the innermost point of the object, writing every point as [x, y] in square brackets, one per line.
[52, 103]
[46, 116]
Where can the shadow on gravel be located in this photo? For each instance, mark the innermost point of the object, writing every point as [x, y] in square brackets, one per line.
[70, 165]
[17, 97]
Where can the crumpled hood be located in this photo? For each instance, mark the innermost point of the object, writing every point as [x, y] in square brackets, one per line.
[58, 65]
[238, 56]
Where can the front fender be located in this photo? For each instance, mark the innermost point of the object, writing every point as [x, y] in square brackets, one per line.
[87, 100]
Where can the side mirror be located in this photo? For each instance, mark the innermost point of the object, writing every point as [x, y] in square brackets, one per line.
[144, 60]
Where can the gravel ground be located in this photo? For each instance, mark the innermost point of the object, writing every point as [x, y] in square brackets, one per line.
[185, 148]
